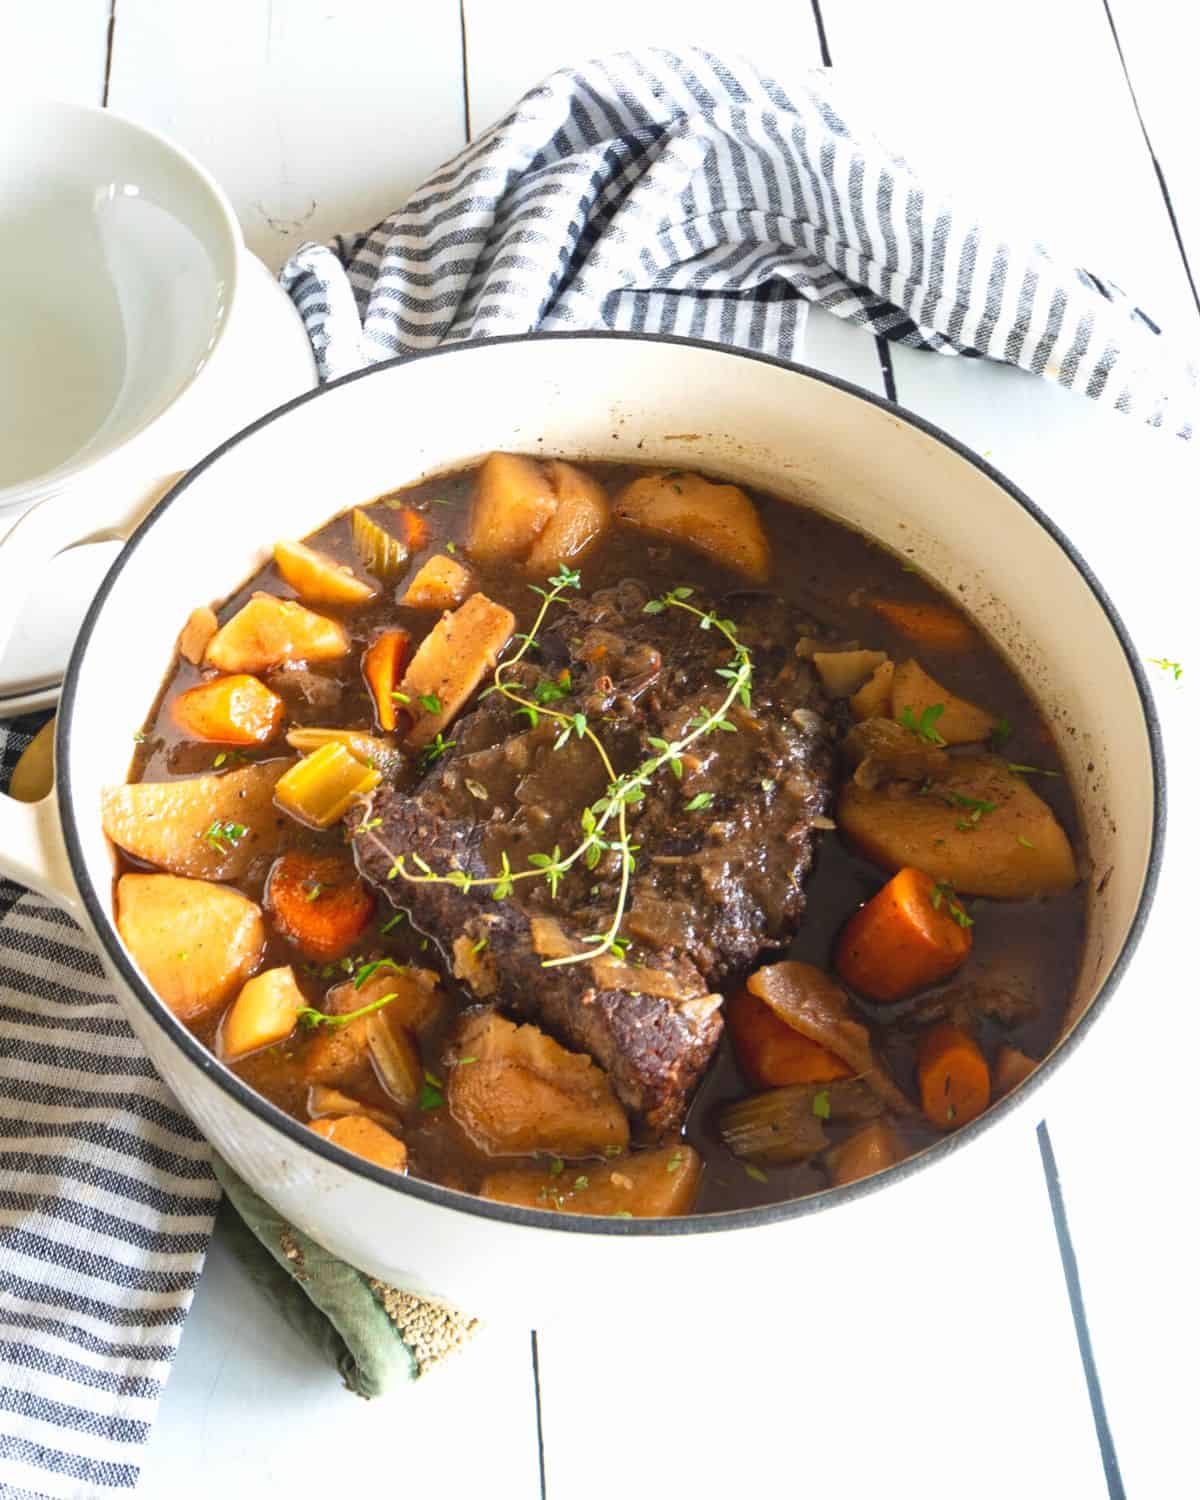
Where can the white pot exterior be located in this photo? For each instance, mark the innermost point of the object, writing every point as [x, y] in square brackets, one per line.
[648, 401]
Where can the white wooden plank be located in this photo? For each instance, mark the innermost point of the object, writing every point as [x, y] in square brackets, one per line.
[504, 59]
[1160, 41]
[1125, 495]
[941, 1363]
[315, 118]
[251, 1410]
[1028, 119]
[60, 50]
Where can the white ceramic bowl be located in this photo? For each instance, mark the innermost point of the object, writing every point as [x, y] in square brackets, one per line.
[120, 259]
[798, 434]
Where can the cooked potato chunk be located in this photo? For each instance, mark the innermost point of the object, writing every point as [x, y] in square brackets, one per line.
[326, 1101]
[959, 723]
[525, 1093]
[236, 710]
[418, 1003]
[513, 503]
[267, 631]
[264, 1012]
[874, 698]
[200, 628]
[451, 662]
[195, 942]
[319, 579]
[364, 1138]
[717, 519]
[211, 827]
[1014, 849]
[440, 583]
[33, 774]
[338, 1056]
[844, 672]
[869, 1150]
[1010, 1068]
[576, 526]
[655, 1184]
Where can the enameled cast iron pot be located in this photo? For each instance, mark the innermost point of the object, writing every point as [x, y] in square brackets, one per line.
[796, 433]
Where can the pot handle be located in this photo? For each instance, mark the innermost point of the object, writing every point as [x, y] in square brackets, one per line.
[32, 851]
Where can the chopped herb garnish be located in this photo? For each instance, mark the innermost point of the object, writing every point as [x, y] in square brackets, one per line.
[451, 548]
[580, 1183]
[621, 1213]
[365, 971]
[310, 1017]
[1031, 770]
[431, 1096]
[925, 726]
[556, 1165]
[1023, 841]
[767, 783]
[756, 1172]
[400, 697]
[944, 891]
[479, 946]
[139, 736]
[430, 702]
[312, 890]
[1001, 733]
[220, 760]
[675, 1162]
[464, 1062]
[224, 836]
[699, 802]
[392, 921]
[436, 748]
[368, 825]
[612, 1150]
[821, 1106]
[1174, 667]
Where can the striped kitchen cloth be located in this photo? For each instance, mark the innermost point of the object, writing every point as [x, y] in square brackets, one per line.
[671, 192]
[106, 1207]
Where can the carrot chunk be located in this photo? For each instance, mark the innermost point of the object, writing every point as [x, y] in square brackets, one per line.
[770, 1053]
[952, 1075]
[416, 529]
[383, 666]
[319, 902]
[911, 935]
[936, 626]
[237, 710]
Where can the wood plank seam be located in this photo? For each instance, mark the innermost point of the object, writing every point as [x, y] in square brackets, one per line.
[1070, 1265]
[1158, 171]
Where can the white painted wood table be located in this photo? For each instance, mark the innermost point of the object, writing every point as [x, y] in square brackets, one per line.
[979, 1361]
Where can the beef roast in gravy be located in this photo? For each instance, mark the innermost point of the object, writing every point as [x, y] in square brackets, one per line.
[723, 848]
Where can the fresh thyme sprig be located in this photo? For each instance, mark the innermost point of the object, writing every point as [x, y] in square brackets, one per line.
[622, 791]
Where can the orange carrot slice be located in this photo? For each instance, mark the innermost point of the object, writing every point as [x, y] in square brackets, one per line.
[936, 626]
[952, 1075]
[383, 666]
[911, 935]
[770, 1053]
[319, 902]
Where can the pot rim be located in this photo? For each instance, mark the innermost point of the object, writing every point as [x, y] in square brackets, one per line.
[461, 1202]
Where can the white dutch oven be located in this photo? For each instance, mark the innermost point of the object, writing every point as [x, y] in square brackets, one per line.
[798, 434]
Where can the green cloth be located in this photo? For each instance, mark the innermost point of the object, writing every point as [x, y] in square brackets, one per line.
[377, 1337]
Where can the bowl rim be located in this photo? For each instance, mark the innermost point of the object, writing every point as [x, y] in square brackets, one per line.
[54, 482]
[457, 1201]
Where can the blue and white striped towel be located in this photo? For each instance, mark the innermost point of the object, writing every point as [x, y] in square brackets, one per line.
[670, 192]
[666, 192]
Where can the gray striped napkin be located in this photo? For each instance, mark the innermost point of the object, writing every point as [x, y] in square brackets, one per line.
[106, 1207]
[665, 192]
[670, 192]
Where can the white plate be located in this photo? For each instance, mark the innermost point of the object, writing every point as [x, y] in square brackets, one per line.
[266, 359]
